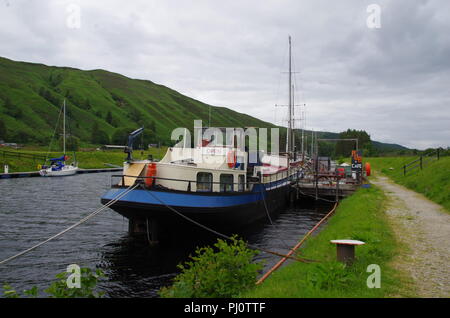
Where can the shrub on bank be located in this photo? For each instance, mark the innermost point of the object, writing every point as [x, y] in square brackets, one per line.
[225, 271]
[59, 289]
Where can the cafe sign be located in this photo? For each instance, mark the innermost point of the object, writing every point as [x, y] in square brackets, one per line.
[356, 160]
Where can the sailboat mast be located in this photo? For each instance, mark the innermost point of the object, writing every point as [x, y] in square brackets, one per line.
[303, 133]
[64, 128]
[293, 119]
[290, 99]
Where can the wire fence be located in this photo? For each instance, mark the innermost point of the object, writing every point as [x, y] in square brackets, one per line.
[421, 162]
[21, 155]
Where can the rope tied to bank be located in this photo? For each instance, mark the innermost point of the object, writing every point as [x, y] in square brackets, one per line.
[296, 247]
[103, 207]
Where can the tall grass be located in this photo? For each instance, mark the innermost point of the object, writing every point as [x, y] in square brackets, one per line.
[433, 180]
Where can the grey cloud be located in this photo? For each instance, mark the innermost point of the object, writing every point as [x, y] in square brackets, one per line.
[390, 81]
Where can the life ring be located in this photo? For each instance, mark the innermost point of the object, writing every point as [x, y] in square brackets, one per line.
[231, 158]
[151, 172]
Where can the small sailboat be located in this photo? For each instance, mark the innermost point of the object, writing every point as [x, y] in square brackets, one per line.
[58, 166]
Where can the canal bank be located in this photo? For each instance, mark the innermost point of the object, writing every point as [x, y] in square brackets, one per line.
[359, 217]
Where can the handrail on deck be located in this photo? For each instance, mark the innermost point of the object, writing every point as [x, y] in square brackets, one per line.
[245, 184]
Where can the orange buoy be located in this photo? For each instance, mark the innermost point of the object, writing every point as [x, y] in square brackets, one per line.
[367, 166]
[151, 172]
[231, 158]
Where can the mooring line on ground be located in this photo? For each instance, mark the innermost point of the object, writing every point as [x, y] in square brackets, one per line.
[83, 220]
[298, 259]
[292, 251]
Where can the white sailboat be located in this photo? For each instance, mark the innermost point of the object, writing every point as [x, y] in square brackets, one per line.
[58, 167]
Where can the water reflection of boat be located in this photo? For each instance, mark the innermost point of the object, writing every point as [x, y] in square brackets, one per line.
[135, 269]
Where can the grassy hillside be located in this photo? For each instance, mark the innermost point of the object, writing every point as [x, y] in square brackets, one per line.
[31, 96]
[433, 181]
[380, 147]
[103, 107]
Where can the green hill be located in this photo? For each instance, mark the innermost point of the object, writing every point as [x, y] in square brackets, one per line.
[32, 94]
[102, 107]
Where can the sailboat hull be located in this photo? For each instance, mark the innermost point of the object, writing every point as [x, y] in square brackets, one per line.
[65, 171]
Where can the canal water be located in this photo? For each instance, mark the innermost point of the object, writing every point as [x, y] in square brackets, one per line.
[33, 209]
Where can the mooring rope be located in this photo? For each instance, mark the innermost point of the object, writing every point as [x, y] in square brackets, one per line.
[304, 260]
[103, 207]
[274, 268]
[269, 217]
[318, 198]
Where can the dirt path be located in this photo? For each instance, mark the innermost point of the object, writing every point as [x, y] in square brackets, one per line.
[424, 229]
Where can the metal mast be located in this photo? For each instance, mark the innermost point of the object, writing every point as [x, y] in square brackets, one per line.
[64, 129]
[290, 148]
[294, 149]
[303, 132]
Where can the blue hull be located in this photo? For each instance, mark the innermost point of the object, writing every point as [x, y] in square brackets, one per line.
[221, 211]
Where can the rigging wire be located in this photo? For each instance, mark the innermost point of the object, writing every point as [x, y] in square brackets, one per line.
[286, 54]
[54, 133]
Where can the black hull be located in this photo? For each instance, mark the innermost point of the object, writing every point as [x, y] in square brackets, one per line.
[157, 217]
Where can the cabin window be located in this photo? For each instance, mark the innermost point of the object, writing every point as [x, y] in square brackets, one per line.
[204, 182]
[241, 183]
[226, 182]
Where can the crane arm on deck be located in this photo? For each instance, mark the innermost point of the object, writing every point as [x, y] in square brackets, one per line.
[131, 137]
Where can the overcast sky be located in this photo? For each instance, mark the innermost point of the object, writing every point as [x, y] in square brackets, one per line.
[388, 74]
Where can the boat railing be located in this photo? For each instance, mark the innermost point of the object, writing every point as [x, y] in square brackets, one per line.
[240, 186]
[142, 179]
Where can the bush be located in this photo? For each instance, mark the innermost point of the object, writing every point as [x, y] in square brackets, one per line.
[226, 272]
[2, 130]
[72, 143]
[59, 289]
[88, 284]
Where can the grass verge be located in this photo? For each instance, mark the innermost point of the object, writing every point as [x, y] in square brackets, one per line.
[86, 159]
[360, 217]
[433, 181]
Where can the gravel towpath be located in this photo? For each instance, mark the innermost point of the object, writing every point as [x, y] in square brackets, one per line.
[424, 229]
